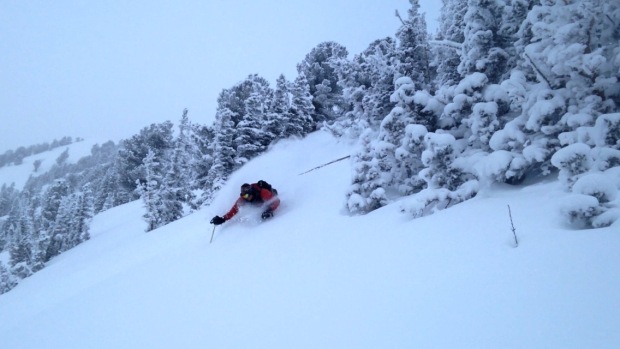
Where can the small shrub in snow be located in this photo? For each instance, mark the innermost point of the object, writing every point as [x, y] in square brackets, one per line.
[494, 165]
[7, 280]
[572, 161]
[437, 159]
[597, 185]
[429, 201]
[613, 174]
[483, 123]
[592, 204]
[580, 209]
[21, 270]
[606, 218]
[606, 158]
[608, 128]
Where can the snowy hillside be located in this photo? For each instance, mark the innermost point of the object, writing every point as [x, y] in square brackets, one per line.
[19, 174]
[314, 277]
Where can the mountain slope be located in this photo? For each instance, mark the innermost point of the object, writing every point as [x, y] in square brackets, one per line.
[19, 174]
[314, 277]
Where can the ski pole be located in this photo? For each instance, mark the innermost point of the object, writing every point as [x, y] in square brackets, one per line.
[329, 163]
[212, 233]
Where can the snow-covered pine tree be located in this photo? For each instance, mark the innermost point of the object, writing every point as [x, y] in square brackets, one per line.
[483, 51]
[251, 137]
[40, 237]
[20, 228]
[590, 171]
[84, 213]
[9, 199]
[367, 82]
[447, 183]
[566, 80]
[107, 187]
[223, 148]
[413, 50]
[397, 152]
[448, 42]
[319, 68]
[302, 109]
[62, 158]
[378, 68]
[438, 157]
[180, 175]
[478, 104]
[148, 194]
[52, 199]
[160, 201]
[366, 192]
[60, 231]
[130, 161]
[392, 132]
[98, 170]
[278, 121]
[8, 196]
[202, 137]
[513, 15]
[7, 280]
[409, 155]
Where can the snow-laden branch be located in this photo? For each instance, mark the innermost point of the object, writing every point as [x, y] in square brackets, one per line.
[447, 43]
[537, 70]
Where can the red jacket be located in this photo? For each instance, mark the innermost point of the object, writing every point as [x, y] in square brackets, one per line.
[260, 196]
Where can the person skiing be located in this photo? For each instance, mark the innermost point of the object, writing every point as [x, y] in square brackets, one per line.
[259, 194]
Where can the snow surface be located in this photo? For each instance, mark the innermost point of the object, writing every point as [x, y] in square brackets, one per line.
[19, 174]
[315, 277]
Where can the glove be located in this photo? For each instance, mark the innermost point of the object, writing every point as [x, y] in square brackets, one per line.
[217, 220]
[266, 215]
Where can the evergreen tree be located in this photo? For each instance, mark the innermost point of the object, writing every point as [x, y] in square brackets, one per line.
[438, 158]
[83, 214]
[61, 230]
[160, 201]
[133, 151]
[302, 109]
[483, 123]
[562, 85]
[483, 51]
[180, 174]
[368, 82]
[513, 16]
[319, 68]
[285, 121]
[21, 257]
[107, 187]
[62, 158]
[8, 196]
[51, 203]
[412, 108]
[202, 137]
[367, 191]
[446, 52]
[413, 51]
[251, 137]
[223, 148]
[20, 230]
[7, 280]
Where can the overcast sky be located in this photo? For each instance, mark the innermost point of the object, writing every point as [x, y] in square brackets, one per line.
[105, 69]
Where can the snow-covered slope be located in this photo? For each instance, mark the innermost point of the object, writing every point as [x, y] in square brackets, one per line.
[314, 277]
[19, 174]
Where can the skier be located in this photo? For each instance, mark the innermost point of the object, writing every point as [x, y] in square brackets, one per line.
[259, 194]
